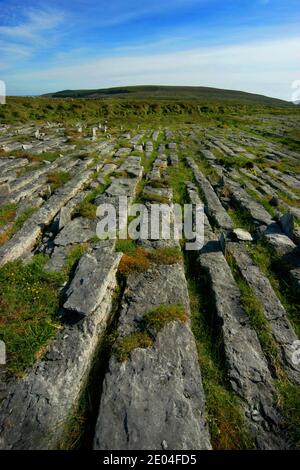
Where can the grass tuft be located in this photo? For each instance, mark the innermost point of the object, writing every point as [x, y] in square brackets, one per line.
[124, 346]
[159, 317]
[58, 179]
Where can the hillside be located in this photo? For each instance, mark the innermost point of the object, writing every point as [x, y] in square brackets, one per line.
[171, 93]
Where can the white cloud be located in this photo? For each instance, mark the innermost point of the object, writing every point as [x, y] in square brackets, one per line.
[35, 23]
[23, 40]
[267, 67]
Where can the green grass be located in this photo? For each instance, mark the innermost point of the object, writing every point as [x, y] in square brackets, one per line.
[151, 106]
[288, 393]
[166, 255]
[7, 213]
[154, 198]
[224, 410]
[29, 302]
[138, 259]
[86, 208]
[57, 179]
[17, 224]
[290, 405]
[241, 219]
[277, 270]
[32, 157]
[125, 345]
[178, 176]
[160, 316]
[258, 321]
[126, 246]
[74, 255]
[206, 168]
[170, 92]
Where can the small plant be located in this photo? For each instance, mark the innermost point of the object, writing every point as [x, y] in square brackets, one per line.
[86, 208]
[290, 405]
[126, 246]
[74, 255]
[241, 219]
[58, 179]
[137, 261]
[7, 213]
[162, 183]
[124, 346]
[153, 197]
[159, 317]
[166, 255]
[18, 223]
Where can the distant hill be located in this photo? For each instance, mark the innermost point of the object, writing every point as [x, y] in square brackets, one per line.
[157, 92]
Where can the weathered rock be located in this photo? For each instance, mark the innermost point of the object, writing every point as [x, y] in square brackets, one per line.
[272, 308]
[79, 230]
[37, 408]
[25, 239]
[287, 224]
[91, 280]
[214, 207]
[243, 200]
[157, 388]
[159, 194]
[242, 234]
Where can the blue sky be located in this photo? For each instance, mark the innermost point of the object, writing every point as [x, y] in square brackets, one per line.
[236, 44]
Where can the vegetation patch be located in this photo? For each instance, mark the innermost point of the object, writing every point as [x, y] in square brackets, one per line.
[124, 346]
[178, 176]
[159, 317]
[254, 310]
[126, 246]
[290, 405]
[138, 259]
[241, 219]
[153, 197]
[74, 255]
[166, 255]
[277, 271]
[135, 261]
[7, 213]
[29, 302]
[86, 208]
[223, 407]
[58, 179]
[18, 223]
[161, 183]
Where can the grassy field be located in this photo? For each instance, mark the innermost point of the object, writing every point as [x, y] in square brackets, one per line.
[147, 105]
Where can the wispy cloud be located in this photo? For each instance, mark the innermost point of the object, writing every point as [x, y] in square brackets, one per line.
[119, 12]
[35, 23]
[20, 41]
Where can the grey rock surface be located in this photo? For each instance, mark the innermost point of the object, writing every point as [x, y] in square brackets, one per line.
[214, 206]
[157, 388]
